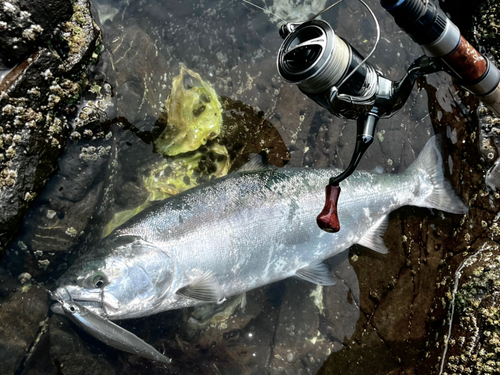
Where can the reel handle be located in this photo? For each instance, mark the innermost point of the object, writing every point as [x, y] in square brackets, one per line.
[328, 219]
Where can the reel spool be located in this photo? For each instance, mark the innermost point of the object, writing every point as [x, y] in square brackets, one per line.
[321, 63]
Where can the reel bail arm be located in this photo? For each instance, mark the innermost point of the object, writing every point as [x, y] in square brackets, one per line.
[389, 98]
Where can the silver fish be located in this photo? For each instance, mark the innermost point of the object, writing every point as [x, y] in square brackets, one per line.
[243, 231]
[107, 331]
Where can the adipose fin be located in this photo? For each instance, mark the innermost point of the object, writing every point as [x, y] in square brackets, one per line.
[257, 163]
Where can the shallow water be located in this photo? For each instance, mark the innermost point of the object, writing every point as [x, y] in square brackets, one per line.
[289, 327]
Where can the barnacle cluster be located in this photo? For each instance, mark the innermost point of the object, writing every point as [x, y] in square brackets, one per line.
[76, 33]
[486, 28]
[474, 344]
[20, 18]
[17, 114]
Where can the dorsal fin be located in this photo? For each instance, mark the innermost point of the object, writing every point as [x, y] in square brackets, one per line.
[257, 163]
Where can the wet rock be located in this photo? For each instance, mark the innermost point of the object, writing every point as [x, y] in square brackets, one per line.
[57, 349]
[22, 312]
[485, 30]
[57, 220]
[468, 306]
[33, 123]
[26, 25]
[246, 131]
[300, 343]
[136, 70]
[70, 355]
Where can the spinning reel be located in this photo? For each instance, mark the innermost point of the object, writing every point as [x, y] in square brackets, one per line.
[331, 72]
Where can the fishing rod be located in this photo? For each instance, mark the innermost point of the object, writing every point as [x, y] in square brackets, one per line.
[330, 71]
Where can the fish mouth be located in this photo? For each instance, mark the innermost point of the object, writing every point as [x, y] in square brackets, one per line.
[62, 295]
[86, 303]
[94, 306]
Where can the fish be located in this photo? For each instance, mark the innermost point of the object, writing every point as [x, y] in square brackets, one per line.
[107, 331]
[233, 234]
[242, 231]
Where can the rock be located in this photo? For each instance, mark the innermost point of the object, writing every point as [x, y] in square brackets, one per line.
[137, 72]
[467, 302]
[33, 121]
[246, 132]
[69, 353]
[22, 313]
[26, 25]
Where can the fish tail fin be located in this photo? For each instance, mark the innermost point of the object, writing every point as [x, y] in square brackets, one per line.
[430, 164]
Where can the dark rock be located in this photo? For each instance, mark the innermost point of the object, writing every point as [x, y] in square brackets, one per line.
[70, 355]
[466, 314]
[33, 124]
[27, 162]
[137, 72]
[26, 25]
[247, 132]
[22, 315]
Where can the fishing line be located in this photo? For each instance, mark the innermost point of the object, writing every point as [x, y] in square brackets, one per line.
[458, 274]
[265, 10]
[377, 39]
[324, 10]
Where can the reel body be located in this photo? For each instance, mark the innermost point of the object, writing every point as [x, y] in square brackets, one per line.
[331, 72]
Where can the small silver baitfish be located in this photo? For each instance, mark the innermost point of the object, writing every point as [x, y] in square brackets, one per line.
[107, 331]
[242, 231]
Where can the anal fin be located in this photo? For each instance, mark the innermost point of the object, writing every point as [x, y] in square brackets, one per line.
[317, 273]
[373, 238]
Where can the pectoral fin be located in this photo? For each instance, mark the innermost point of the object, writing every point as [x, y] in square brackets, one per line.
[373, 238]
[202, 288]
[317, 273]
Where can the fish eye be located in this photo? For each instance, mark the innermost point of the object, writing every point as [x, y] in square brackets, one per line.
[99, 281]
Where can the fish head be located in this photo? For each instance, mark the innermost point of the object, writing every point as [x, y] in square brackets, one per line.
[123, 277]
